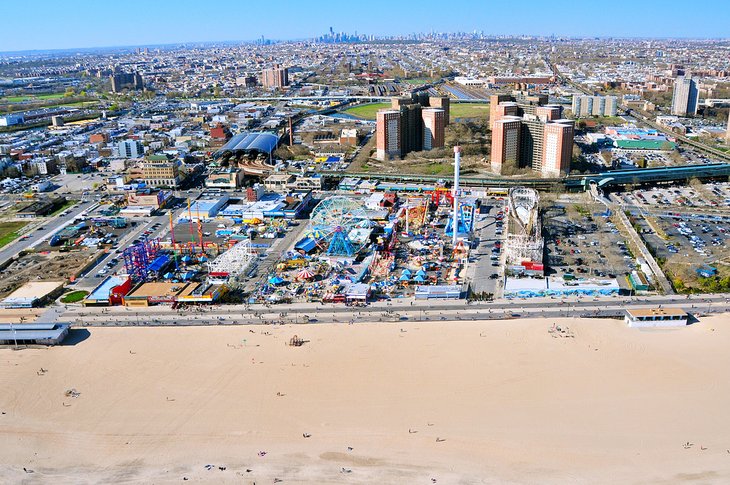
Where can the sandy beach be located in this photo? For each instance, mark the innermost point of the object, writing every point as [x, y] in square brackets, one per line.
[493, 402]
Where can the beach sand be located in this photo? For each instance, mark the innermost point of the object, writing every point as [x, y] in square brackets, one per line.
[491, 402]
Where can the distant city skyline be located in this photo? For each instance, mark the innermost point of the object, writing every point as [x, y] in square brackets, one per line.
[79, 24]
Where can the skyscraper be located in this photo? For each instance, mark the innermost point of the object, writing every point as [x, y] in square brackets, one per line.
[434, 120]
[387, 134]
[276, 77]
[686, 95]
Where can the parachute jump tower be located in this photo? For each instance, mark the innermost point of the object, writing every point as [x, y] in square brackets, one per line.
[463, 214]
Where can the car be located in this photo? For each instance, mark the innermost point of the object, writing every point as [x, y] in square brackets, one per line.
[493, 276]
[40, 228]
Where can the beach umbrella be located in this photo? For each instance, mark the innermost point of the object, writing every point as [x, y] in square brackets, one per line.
[168, 276]
[305, 274]
[403, 277]
[186, 259]
[406, 272]
[202, 259]
[421, 273]
[419, 278]
[275, 280]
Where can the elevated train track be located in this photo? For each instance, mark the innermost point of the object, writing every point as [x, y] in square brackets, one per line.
[616, 178]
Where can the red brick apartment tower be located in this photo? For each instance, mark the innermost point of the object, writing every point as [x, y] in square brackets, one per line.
[434, 121]
[387, 134]
[506, 142]
[557, 148]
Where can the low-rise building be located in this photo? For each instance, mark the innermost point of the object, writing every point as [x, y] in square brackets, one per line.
[278, 182]
[225, 178]
[161, 171]
[656, 317]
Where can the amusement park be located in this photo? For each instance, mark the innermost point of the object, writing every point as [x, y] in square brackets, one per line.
[381, 246]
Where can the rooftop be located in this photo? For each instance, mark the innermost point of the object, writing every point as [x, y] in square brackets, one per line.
[656, 312]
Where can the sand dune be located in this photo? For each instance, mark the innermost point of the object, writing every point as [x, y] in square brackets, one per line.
[493, 402]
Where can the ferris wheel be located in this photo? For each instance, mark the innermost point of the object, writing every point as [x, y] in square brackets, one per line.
[340, 226]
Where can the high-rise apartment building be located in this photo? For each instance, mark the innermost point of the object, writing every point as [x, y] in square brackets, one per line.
[276, 77]
[419, 127]
[506, 142]
[126, 80]
[495, 102]
[434, 120]
[557, 148]
[520, 102]
[594, 106]
[443, 103]
[411, 128]
[387, 134]
[686, 96]
[528, 133]
[130, 149]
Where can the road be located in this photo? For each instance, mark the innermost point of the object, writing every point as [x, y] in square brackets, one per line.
[37, 236]
[89, 280]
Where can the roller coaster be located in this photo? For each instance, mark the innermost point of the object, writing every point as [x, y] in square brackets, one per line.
[524, 234]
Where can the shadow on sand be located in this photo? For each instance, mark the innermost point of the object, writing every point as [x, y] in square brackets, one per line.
[75, 336]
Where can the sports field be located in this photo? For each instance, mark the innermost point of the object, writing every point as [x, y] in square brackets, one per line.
[460, 110]
[40, 97]
[469, 110]
[366, 111]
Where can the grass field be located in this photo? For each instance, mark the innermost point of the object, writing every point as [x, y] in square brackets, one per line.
[460, 110]
[40, 97]
[469, 110]
[9, 231]
[74, 296]
[366, 111]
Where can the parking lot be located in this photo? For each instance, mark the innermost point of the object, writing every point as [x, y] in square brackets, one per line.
[582, 243]
[709, 196]
[691, 242]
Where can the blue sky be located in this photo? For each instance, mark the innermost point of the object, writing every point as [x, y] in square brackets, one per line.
[48, 24]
